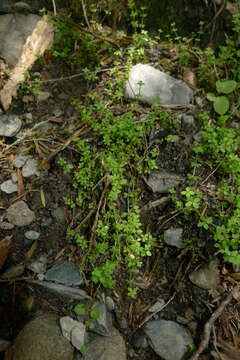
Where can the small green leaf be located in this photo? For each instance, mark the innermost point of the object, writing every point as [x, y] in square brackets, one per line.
[211, 97]
[94, 314]
[221, 105]
[84, 348]
[226, 86]
[80, 309]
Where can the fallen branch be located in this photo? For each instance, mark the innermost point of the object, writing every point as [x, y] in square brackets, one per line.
[209, 324]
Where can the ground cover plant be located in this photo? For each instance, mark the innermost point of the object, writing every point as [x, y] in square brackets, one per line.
[108, 231]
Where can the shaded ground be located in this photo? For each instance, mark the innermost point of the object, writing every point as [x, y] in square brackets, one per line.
[165, 274]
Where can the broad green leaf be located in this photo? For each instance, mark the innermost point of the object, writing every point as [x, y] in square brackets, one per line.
[211, 97]
[80, 309]
[221, 105]
[95, 313]
[226, 86]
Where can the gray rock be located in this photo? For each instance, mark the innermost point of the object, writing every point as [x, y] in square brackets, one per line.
[109, 303]
[28, 118]
[168, 339]
[19, 161]
[74, 331]
[173, 237]
[157, 306]
[187, 119]
[9, 124]
[30, 168]
[33, 5]
[207, 276]
[13, 272]
[106, 348]
[9, 187]
[41, 339]
[21, 7]
[66, 291]
[31, 235]
[19, 214]
[4, 225]
[65, 273]
[4, 344]
[103, 324]
[149, 85]
[39, 266]
[163, 181]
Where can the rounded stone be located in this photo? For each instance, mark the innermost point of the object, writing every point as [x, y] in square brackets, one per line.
[9, 187]
[41, 339]
[19, 214]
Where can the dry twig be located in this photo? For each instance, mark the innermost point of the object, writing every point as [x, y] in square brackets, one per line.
[209, 324]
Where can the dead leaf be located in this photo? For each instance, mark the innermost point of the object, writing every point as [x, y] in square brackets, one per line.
[5, 246]
[189, 77]
[31, 251]
[21, 189]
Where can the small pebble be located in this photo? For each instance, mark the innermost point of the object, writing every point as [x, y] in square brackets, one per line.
[9, 187]
[32, 235]
[19, 161]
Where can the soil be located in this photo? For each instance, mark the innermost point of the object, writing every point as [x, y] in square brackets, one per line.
[165, 274]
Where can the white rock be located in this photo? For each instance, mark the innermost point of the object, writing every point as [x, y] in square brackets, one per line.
[19, 161]
[150, 85]
[9, 125]
[9, 187]
[30, 168]
[32, 235]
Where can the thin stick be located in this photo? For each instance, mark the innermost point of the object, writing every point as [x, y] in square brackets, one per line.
[210, 323]
[85, 14]
[54, 8]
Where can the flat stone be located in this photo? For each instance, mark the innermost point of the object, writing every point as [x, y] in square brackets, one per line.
[173, 237]
[9, 187]
[103, 324]
[168, 339]
[32, 235]
[39, 266]
[157, 306]
[19, 161]
[106, 348]
[10, 125]
[19, 214]
[6, 225]
[30, 168]
[149, 85]
[62, 290]
[65, 273]
[74, 331]
[207, 276]
[41, 339]
[163, 181]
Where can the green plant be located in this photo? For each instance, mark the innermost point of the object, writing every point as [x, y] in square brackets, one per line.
[221, 103]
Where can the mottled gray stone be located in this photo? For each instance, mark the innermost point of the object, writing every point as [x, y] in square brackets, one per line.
[6, 225]
[9, 187]
[30, 168]
[207, 276]
[149, 85]
[168, 339]
[43, 96]
[163, 181]
[173, 237]
[19, 214]
[39, 266]
[9, 125]
[157, 306]
[103, 324]
[41, 339]
[106, 348]
[31, 235]
[74, 331]
[19, 161]
[62, 290]
[65, 273]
